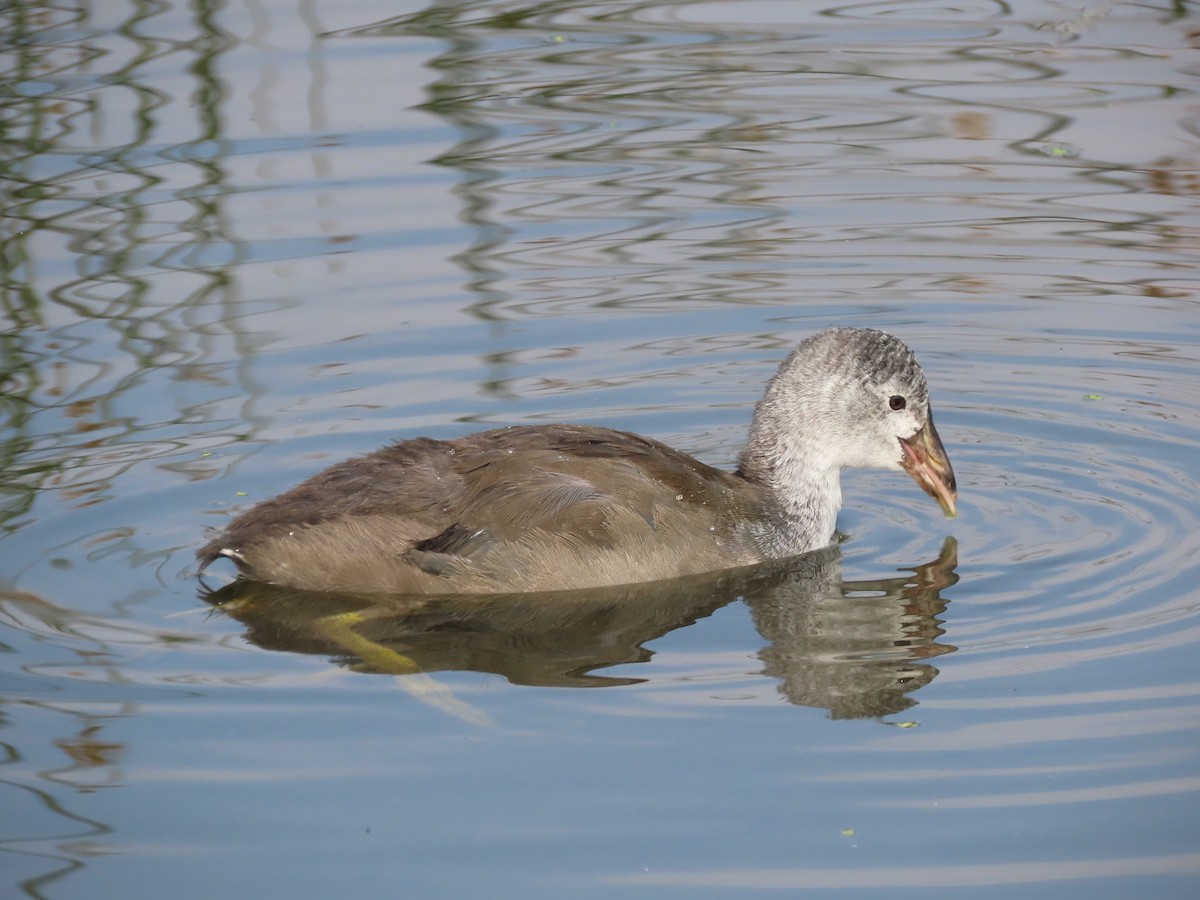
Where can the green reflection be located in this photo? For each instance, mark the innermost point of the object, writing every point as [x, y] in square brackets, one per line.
[107, 191]
[89, 223]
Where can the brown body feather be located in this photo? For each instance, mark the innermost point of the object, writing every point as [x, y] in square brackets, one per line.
[525, 508]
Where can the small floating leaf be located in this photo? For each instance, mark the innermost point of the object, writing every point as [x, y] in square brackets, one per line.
[240, 493]
[907, 724]
[1093, 396]
[1059, 150]
[847, 832]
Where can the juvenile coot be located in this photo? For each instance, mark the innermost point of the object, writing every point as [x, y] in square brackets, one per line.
[553, 507]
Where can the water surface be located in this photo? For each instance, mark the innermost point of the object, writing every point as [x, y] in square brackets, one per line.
[242, 241]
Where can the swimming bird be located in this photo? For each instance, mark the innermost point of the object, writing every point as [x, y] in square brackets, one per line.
[555, 507]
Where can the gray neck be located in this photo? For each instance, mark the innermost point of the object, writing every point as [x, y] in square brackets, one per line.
[788, 454]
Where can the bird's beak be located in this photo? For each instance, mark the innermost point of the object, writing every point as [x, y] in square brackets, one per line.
[926, 461]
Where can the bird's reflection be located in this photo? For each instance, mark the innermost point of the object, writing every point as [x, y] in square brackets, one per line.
[857, 649]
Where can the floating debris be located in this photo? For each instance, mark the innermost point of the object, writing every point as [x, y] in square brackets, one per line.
[1058, 150]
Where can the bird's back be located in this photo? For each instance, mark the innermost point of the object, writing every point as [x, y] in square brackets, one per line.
[514, 509]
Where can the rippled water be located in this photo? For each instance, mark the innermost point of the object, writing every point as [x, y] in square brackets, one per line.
[241, 241]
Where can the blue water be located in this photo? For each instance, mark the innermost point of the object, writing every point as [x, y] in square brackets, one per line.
[241, 242]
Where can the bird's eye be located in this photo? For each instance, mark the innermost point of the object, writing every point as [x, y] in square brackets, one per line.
[897, 402]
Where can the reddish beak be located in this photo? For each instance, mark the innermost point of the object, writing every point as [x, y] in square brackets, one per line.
[926, 461]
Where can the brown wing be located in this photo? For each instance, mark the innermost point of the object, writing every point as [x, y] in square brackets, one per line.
[514, 508]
